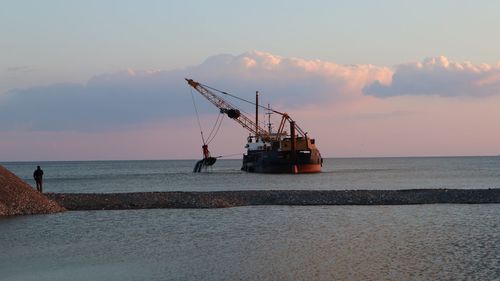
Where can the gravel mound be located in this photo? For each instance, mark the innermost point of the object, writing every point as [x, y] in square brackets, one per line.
[225, 199]
[18, 198]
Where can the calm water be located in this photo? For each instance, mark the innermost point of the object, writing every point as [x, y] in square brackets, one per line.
[426, 242]
[365, 173]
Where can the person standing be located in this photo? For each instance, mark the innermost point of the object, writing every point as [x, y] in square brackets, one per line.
[38, 176]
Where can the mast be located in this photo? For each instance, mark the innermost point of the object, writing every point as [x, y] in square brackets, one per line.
[269, 118]
[256, 113]
[293, 141]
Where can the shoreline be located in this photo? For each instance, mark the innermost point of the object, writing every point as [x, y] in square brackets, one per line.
[225, 199]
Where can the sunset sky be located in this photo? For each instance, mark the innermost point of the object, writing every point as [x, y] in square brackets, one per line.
[103, 80]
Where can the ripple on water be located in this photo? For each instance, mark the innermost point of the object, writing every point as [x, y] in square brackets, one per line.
[426, 242]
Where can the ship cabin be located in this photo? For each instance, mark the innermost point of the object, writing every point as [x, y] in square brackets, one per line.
[302, 144]
[257, 143]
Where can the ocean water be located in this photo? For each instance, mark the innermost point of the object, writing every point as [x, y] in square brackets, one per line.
[338, 174]
[424, 242]
[420, 242]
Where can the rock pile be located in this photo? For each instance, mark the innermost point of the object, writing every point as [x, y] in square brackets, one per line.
[18, 198]
[224, 199]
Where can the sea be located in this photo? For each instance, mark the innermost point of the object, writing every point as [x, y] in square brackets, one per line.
[412, 242]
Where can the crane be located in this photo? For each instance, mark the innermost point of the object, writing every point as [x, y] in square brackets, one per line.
[247, 123]
[267, 152]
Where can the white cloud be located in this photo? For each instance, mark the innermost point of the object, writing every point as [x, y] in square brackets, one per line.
[133, 96]
[439, 76]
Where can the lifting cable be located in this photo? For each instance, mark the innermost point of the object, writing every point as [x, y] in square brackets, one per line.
[212, 134]
[241, 99]
[197, 116]
[253, 103]
[228, 155]
[215, 128]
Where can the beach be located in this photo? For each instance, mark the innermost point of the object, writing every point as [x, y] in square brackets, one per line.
[225, 199]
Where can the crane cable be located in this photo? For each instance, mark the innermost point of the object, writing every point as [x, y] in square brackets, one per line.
[197, 116]
[228, 155]
[241, 99]
[212, 135]
[215, 128]
[250, 102]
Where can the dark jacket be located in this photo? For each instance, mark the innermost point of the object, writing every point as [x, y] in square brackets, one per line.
[38, 174]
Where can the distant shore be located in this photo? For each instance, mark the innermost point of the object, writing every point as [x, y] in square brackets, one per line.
[224, 199]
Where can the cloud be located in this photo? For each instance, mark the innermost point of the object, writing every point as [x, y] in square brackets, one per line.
[98, 105]
[134, 114]
[133, 97]
[288, 82]
[439, 76]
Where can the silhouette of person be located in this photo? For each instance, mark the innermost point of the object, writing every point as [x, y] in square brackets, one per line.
[38, 176]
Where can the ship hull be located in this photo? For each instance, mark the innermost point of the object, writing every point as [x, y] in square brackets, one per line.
[278, 162]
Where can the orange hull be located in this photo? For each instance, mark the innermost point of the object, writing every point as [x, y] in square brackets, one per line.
[282, 162]
[307, 168]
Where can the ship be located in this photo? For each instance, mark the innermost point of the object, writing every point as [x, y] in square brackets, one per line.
[277, 152]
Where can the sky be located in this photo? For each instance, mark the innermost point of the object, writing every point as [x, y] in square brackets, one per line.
[104, 80]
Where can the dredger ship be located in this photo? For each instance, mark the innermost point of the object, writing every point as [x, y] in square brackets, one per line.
[267, 151]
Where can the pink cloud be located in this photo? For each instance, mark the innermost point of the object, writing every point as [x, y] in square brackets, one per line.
[439, 76]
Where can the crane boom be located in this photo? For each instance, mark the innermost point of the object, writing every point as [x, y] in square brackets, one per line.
[230, 110]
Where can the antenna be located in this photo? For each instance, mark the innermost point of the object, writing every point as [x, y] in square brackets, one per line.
[268, 113]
